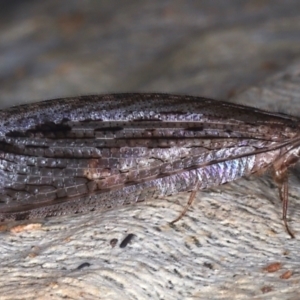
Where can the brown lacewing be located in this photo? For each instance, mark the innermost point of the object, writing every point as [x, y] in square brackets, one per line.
[79, 154]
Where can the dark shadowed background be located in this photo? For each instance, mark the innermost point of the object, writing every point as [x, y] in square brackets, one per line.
[242, 51]
[210, 48]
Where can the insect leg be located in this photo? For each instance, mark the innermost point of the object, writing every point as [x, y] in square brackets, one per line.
[284, 197]
[190, 202]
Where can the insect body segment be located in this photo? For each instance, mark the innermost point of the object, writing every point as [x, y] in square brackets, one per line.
[79, 154]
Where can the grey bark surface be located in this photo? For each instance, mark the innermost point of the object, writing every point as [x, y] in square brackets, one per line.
[247, 53]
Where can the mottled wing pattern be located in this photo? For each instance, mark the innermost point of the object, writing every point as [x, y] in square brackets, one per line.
[78, 154]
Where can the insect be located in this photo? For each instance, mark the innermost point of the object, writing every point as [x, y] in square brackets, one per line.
[79, 154]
